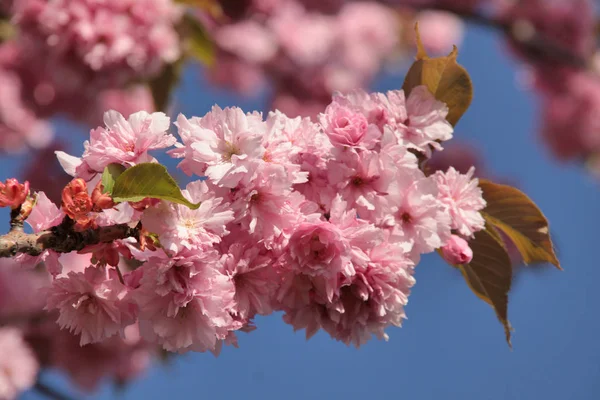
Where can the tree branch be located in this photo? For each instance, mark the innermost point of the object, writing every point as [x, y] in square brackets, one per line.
[50, 392]
[530, 41]
[62, 238]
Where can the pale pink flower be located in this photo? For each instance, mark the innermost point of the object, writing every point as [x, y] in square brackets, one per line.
[265, 205]
[319, 250]
[179, 227]
[126, 142]
[457, 251]
[91, 304]
[373, 300]
[284, 143]
[18, 365]
[463, 197]
[249, 40]
[419, 120]
[185, 303]
[362, 179]
[224, 144]
[417, 217]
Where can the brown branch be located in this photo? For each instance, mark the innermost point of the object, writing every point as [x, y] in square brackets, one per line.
[62, 238]
[50, 392]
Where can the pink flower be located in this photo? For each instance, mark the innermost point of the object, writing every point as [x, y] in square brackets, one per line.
[463, 197]
[249, 40]
[185, 303]
[13, 193]
[224, 144]
[251, 269]
[126, 142]
[318, 250]
[373, 300]
[18, 365]
[44, 215]
[91, 304]
[420, 120]
[345, 127]
[180, 227]
[362, 179]
[417, 217]
[457, 251]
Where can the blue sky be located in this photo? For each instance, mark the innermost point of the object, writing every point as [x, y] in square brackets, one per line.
[451, 346]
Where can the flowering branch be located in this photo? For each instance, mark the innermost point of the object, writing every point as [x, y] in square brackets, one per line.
[61, 239]
[530, 40]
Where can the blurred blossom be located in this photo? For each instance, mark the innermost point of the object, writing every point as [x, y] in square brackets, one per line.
[19, 126]
[440, 30]
[18, 366]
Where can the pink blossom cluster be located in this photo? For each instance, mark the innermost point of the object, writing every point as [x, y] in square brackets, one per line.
[569, 97]
[306, 49]
[77, 59]
[115, 40]
[30, 339]
[324, 220]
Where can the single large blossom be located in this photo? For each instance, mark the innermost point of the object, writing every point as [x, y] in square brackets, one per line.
[464, 199]
[179, 227]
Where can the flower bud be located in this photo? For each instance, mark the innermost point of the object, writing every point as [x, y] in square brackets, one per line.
[27, 207]
[457, 251]
[13, 193]
[101, 201]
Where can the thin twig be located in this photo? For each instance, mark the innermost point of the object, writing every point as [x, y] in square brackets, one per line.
[50, 392]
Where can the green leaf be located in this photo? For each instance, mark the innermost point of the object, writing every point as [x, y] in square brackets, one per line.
[148, 180]
[163, 85]
[489, 274]
[447, 80]
[198, 42]
[110, 175]
[516, 215]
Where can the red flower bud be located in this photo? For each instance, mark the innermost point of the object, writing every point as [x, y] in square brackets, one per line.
[101, 201]
[13, 193]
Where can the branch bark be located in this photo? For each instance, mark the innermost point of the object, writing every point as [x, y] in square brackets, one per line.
[62, 238]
